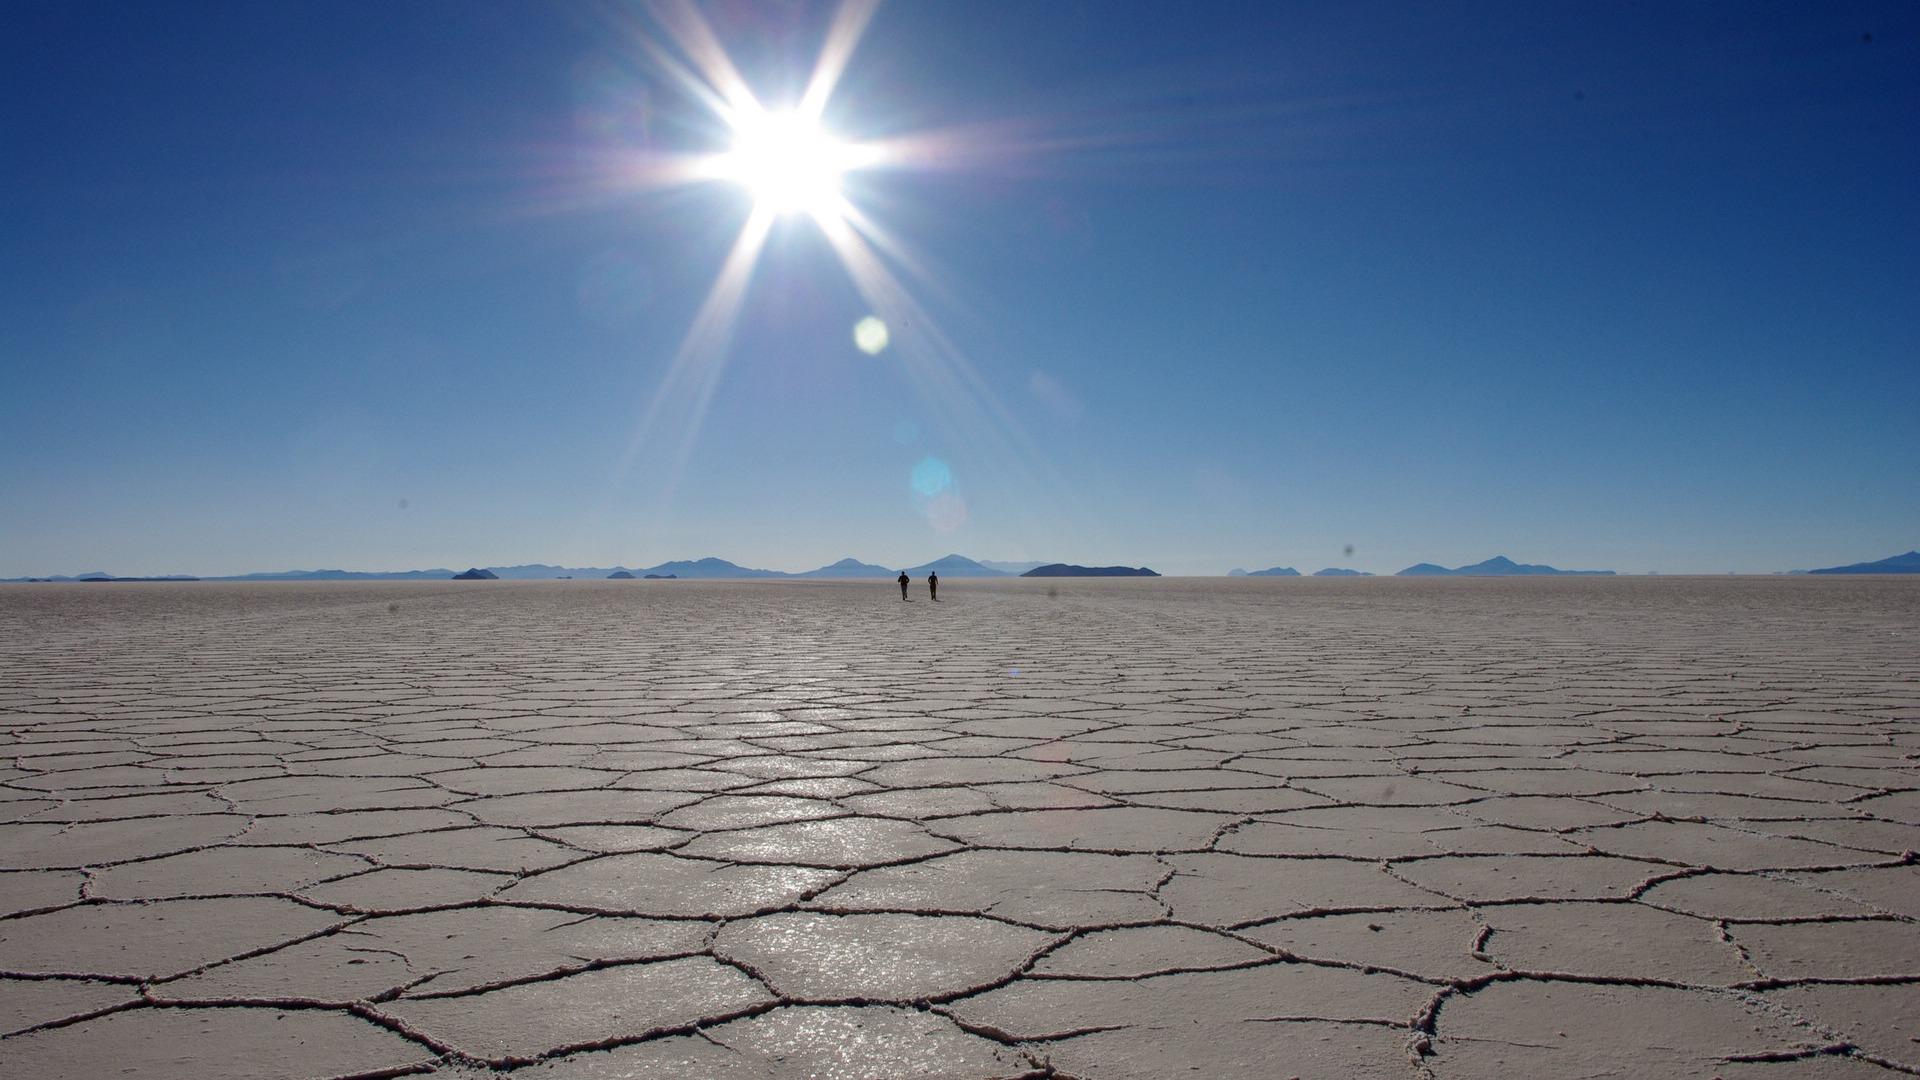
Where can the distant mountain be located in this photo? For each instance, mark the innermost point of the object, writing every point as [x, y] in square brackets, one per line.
[849, 568]
[1895, 564]
[660, 577]
[1010, 567]
[1498, 566]
[711, 567]
[955, 566]
[547, 572]
[476, 574]
[1273, 571]
[1067, 570]
[1236, 572]
[620, 575]
[1335, 571]
[437, 574]
[98, 575]
[705, 568]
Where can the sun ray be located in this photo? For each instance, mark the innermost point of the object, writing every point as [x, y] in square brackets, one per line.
[687, 389]
[690, 31]
[944, 378]
[897, 252]
[843, 36]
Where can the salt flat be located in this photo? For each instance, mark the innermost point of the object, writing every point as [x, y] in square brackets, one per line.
[1097, 829]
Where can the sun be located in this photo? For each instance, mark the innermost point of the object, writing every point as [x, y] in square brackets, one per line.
[789, 162]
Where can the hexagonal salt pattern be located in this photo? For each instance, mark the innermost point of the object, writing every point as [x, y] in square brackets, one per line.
[1102, 830]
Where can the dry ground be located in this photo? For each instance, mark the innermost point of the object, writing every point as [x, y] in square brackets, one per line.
[1136, 829]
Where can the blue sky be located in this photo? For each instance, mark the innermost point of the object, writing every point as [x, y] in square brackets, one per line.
[1626, 286]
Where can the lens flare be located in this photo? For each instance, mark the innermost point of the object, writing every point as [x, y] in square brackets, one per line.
[931, 477]
[947, 511]
[871, 336]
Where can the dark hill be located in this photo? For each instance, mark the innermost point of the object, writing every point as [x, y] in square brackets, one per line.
[476, 574]
[1067, 570]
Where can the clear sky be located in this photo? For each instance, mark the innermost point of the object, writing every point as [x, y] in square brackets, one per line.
[1193, 286]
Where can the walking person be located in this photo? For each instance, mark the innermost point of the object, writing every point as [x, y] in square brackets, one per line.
[933, 584]
[904, 581]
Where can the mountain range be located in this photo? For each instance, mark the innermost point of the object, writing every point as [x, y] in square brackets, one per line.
[709, 567]
[957, 566]
[1893, 564]
[1498, 566]
[1011, 567]
[1069, 570]
[852, 568]
[98, 576]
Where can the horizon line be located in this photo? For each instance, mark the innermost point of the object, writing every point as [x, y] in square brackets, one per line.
[984, 563]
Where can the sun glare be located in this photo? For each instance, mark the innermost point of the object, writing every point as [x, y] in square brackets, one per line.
[789, 163]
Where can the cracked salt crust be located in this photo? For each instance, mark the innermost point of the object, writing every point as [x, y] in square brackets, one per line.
[1400, 829]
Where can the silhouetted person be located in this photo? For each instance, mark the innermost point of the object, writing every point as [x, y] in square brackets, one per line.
[933, 584]
[904, 579]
